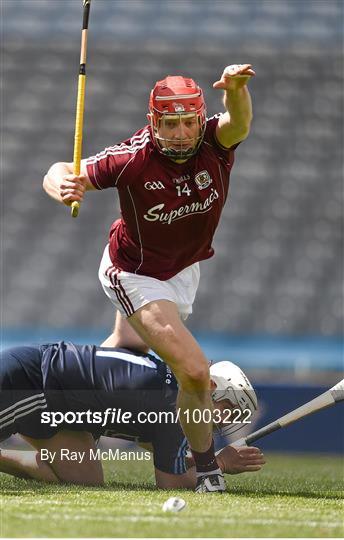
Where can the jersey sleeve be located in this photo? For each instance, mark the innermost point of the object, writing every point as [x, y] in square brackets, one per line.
[117, 166]
[170, 447]
[210, 137]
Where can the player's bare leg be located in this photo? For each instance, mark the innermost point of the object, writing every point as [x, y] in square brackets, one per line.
[159, 325]
[26, 464]
[86, 472]
[124, 335]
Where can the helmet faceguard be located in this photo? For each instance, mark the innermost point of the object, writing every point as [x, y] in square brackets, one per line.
[232, 384]
[179, 99]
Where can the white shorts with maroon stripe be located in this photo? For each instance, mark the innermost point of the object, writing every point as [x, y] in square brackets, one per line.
[128, 292]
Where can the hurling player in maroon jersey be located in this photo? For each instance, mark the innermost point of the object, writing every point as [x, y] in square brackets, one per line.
[172, 179]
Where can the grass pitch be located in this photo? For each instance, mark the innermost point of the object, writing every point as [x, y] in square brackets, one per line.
[294, 496]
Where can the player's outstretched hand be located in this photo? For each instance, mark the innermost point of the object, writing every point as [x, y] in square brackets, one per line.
[234, 77]
[72, 188]
[234, 460]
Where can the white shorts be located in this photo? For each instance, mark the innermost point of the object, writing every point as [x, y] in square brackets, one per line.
[128, 292]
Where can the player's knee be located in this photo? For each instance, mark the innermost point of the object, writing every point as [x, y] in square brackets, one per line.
[194, 377]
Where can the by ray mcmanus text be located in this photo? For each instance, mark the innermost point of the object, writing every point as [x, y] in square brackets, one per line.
[64, 454]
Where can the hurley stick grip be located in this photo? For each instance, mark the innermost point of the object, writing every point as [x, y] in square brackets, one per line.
[79, 120]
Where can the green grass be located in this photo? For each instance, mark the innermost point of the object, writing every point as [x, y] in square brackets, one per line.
[294, 496]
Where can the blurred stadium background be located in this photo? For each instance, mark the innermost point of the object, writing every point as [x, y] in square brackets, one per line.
[271, 299]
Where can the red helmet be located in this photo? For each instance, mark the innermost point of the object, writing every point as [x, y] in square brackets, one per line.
[177, 97]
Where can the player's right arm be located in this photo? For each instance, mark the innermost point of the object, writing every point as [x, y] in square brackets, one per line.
[114, 167]
[233, 460]
[61, 184]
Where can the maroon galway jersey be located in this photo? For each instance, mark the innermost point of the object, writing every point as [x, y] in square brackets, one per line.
[169, 211]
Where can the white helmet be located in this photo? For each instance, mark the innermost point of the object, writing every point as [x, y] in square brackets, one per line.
[232, 384]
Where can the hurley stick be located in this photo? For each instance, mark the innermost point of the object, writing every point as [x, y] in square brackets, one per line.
[80, 104]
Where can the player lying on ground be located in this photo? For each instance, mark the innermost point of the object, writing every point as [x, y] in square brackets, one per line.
[172, 178]
[64, 377]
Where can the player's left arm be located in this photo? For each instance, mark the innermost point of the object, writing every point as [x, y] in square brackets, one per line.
[234, 125]
[231, 460]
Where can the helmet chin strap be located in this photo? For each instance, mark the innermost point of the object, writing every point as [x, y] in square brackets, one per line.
[182, 153]
[178, 154]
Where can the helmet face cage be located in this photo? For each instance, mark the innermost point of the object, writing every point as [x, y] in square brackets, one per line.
[182, 148]
[233, 385]
[180, 99]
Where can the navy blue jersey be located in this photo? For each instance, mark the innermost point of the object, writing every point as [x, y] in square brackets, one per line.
[63, 377]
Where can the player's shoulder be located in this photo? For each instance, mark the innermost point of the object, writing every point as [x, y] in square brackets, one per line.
[213, 120]
[211, 124]
[145, 360]
[210, 138]
[138, 144]
[64, 354]
[125, 353]
[139, 360]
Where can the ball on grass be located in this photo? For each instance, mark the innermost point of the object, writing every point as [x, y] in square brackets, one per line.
[174, 504]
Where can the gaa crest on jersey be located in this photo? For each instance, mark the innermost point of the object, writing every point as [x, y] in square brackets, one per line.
[203, 179]
[154, 185]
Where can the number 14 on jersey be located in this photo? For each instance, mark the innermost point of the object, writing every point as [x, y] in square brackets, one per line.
[183, 190]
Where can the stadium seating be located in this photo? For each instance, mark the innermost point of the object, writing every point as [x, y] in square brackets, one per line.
[278, 265]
